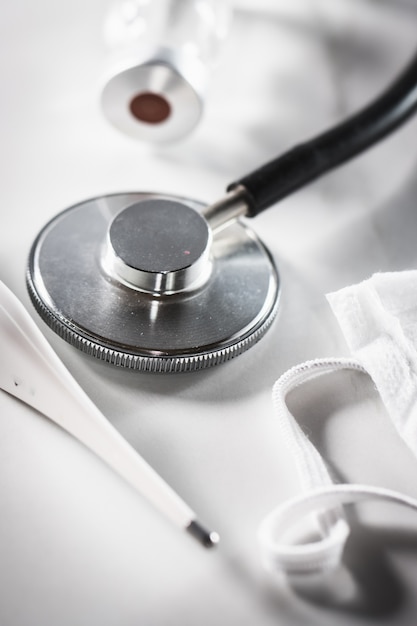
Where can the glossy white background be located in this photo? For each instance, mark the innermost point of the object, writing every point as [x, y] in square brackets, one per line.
[79, 547]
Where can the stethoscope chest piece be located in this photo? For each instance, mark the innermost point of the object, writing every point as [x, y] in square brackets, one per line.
[141, 281]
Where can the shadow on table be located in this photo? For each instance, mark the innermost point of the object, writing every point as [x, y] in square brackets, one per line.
[370, 585]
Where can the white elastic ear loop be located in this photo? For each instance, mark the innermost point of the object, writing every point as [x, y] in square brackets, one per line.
[322, 497]
[312, 469]
[327, 552]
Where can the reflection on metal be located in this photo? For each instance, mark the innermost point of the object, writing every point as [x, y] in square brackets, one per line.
[221, 296]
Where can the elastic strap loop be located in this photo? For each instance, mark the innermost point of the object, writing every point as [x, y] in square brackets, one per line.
[322, 500]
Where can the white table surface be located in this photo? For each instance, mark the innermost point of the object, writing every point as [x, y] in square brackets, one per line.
[77, 545]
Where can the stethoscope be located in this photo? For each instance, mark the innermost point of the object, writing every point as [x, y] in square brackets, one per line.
[166, 284]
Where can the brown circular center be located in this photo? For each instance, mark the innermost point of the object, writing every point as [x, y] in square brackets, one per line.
[150, 108]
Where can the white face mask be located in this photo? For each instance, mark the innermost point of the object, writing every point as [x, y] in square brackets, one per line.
[378, 318]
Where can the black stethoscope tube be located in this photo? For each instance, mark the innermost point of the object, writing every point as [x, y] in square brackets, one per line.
[280, 177]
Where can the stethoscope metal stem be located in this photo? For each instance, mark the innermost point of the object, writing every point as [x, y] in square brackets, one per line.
[233, 205]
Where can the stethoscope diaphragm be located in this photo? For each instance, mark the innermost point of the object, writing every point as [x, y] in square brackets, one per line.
[168, 298]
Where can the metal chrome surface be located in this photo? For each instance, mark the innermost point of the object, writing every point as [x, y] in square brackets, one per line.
[159, 246]
[194, 329]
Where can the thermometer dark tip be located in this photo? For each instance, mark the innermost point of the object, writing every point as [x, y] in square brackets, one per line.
[207, 538]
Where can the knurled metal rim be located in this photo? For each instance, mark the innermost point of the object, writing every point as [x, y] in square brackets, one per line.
[152, 364]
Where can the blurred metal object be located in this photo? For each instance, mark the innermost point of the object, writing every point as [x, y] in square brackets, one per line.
[158, 99]
[161, 54]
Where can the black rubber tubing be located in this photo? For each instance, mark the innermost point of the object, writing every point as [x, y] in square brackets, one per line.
[304, 163]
